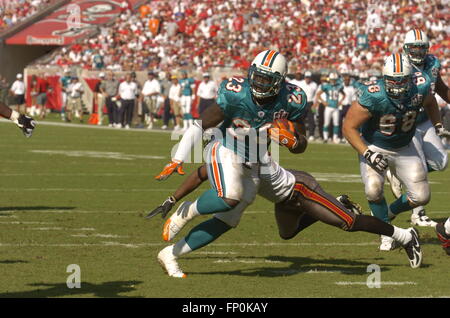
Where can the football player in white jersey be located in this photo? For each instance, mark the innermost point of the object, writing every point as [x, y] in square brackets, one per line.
[427, 139]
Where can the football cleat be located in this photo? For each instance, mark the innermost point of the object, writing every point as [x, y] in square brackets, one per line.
[388, 243]
[396, 185]
[176, 222]
[413, 249]
[169, 262]
[349, 204]
[443, 237]
[421, 219]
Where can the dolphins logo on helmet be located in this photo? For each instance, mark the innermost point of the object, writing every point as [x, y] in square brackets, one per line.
[267, 73]
[397, 75]
[416, 46]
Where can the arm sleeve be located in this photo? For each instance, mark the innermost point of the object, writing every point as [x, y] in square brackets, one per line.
[190, 138]
[297, 105]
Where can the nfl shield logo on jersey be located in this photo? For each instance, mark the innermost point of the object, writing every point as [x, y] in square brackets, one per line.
[261, 114]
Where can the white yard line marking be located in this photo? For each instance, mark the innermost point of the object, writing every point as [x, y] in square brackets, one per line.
[246, 261]
[165, 244]
[98, 235]
[68, 211]
[69, 174]
[84, 190]
[9, 216]
[214, 253]
[311, 271]
[61, 229]
[95, 154]
[25, 222]
[70, 125]
[382, 283]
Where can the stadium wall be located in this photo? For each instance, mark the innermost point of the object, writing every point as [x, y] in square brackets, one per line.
[14, 58]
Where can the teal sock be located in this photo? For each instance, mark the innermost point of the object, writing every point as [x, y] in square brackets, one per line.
[336, 130]
[209, 203]
[400, 205]
[205, 233]
[380, 210]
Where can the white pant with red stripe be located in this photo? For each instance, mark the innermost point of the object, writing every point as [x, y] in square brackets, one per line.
[239, 181]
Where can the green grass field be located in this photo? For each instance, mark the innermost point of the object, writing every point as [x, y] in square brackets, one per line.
[78, 196]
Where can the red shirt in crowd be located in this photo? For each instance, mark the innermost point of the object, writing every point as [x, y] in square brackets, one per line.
[238, 23]
[42, 85]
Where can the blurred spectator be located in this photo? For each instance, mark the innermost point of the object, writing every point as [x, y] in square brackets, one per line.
[4, 90]
[207, 92]
[128, 90]
[164, 96]
[315, 35]
[74, 102]
[350, 96]
[65, 81]
[99, 97]
[187, 96]
[150, 93]
[18, 93]
[34, 92]
[43, 88]
[14, 11]
[310, 88]
[334, 95]
[109, 89]
[174, 96]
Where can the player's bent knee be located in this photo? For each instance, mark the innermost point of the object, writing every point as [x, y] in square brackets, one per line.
[374, 191]
[420, 198]
[231, 202]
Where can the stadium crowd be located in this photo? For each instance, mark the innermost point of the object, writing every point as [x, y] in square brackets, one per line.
[178, 40]
[14, 11]
[351, 36]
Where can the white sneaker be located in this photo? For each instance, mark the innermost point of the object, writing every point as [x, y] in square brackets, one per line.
[337, 140]
[110, 125]
[388, 243]
[421, 219]
[175, 223]
[150, 125]
[164, 127]
[117, 126]
[311, 138]
[177, 127]
[127, 126]
[169, 262]
[396, 185]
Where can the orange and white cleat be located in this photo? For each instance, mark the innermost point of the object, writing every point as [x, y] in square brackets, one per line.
[177, 221]
[169, 262]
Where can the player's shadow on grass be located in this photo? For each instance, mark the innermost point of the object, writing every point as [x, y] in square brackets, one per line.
[107, 289]
[13, 261]
[300, 265]
[35, 208]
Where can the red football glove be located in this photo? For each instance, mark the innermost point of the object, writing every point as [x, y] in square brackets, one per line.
[169, 169]
[283, 132]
